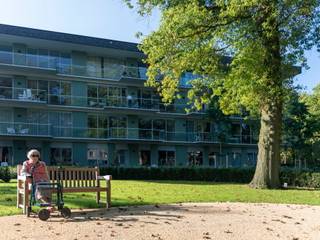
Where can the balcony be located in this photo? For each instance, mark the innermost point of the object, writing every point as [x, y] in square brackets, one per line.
[28, 60]
[243, 139]
[25, 129]
[114, 72]
[140, 134]
[23, 94]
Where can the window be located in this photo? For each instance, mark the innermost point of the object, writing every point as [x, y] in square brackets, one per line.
[65, 63]
[166, 158]
[60, 93]
[6, 155]
[92, 93]
[43, 58]
[37, 122]
[62, 123]
[213, 159]
[159, 127]
[246, 133]
[118, 127]
[234, 159]
[97, 126]
[195, 158]
[145, 129]
[97, 156]
[145, 159]
[53, 59]
[5, 87]
[61, 156]
[251, 159]
[117, 97]
[120, 159]
[6, 54]
[235, 133]
[32, 57]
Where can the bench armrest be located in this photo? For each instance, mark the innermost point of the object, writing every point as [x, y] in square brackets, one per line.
[105, 177]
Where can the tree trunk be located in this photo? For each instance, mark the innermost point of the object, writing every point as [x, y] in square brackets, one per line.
[268, 163]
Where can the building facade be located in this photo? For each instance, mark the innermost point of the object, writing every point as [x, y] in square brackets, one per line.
[82, 101]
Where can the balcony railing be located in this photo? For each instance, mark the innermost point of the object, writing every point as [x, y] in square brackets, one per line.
[42, 96]
[28, 60]
[23, 94]
[24, 129]
[143, 134]
[110, 71]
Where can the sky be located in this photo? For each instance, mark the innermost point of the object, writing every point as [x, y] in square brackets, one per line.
[110, 19]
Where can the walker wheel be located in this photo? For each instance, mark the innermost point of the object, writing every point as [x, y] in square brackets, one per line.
[44, 214]
[65, 212]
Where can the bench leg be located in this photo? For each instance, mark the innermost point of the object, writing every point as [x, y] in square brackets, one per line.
[98, 197]
[108, 205]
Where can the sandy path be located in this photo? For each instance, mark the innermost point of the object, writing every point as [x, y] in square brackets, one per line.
[170, 222]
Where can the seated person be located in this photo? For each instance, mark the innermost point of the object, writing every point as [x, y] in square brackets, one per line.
[35, 168]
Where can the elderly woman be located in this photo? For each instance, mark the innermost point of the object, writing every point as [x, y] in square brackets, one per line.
[35, 168]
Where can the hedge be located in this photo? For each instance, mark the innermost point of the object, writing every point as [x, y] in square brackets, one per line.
[298, 178]
[240, 175]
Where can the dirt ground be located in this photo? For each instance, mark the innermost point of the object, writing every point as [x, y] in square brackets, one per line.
[171, 222]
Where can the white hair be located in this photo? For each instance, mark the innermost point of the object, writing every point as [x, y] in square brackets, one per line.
[32, 151]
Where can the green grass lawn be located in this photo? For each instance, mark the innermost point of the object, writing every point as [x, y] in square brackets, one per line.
[152, 192]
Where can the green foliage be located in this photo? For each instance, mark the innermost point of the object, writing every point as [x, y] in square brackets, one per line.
[196, 35]
[5, 174]
[303, 178]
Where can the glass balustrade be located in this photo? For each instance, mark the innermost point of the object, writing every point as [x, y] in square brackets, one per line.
[24, 129]
[23, 94]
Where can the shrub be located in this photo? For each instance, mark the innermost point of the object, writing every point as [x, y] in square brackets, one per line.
[5, 174]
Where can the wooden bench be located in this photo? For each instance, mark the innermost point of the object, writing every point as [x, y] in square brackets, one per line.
[73, 179]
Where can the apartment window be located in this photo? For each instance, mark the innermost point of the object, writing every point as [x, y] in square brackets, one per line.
[60, 93]
[159, 127]
[120, 159]
[97, 156]
[65, 64]
[61, 156]
[37, 123]
[97, 126]
[166, 158]
[251, 159]
[32, 57]
[145, 158]
[117, 97]
[5, 87]
[62, 122]
[246, 133]
[235, 133]
[6, 54]
[6, 155]
[145, 128]
[213, 159]
[118, 126]
[53, 59]
[234, 159]
[43, 58]
[195, 158]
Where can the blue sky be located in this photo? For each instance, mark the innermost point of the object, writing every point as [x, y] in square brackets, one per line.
[106, 19]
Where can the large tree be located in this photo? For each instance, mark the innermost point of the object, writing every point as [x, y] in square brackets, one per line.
[243, 49]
